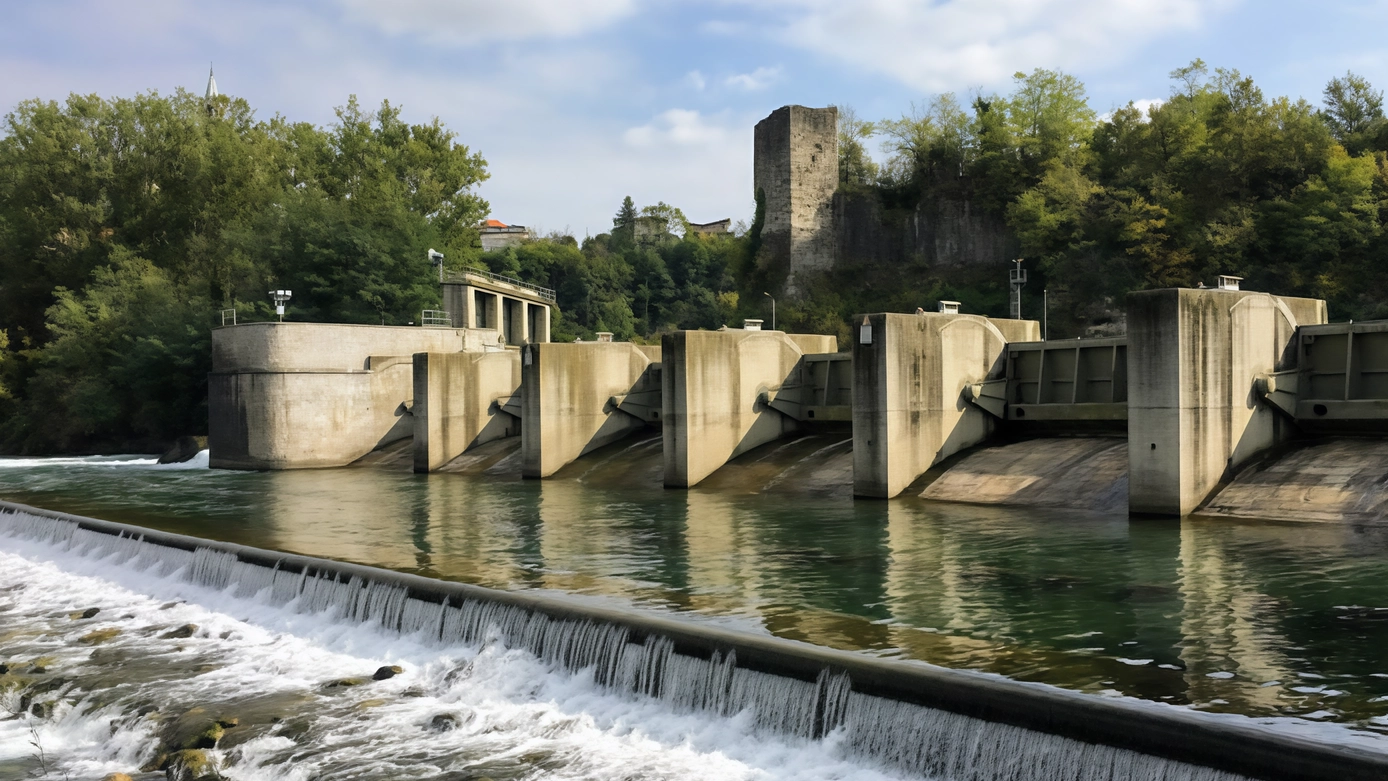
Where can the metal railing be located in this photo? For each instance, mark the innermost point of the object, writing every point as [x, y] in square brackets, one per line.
[435, 318]
[226, 312]
[542, 292]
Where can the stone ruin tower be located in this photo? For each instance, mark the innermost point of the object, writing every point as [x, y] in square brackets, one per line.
[796, 169]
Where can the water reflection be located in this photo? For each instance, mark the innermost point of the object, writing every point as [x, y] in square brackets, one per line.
[1248, 617]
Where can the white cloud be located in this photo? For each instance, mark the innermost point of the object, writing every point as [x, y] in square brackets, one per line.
[470, 22]
[759, 79]
[696, 80]
[677, 127]
[1147, 104]
[939, 45]
[1143, 106]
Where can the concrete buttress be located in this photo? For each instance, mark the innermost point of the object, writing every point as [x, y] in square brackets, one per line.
[1194, 413]
[909, 376]
[579, 397]
[717, 388]
[461, 401]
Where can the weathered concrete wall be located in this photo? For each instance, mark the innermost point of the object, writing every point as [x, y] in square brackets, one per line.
[321, 347]
[568, 393]
[712, 385]
[1193, 412]
[458, 400]
[796, 168]
[293, 395]
[909, 373]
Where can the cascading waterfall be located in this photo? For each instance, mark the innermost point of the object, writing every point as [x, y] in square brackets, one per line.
[931, 742]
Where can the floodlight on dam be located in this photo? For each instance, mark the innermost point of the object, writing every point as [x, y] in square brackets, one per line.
[281, 297]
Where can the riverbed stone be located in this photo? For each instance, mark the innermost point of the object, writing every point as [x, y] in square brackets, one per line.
[184, 449]
[191, 765]
[389, 671]
[81, 614]
[208, 738]
[181, 633]
[343, 683]
[117, 777]
[444, 723]
[99, 636]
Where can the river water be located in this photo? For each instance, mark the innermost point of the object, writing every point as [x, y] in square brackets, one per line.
[1255, 618]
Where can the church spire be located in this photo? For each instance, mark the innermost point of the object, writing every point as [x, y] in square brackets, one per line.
[211, 85]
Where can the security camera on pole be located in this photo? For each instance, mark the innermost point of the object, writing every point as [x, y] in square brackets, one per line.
[436, 258]
[281, 298]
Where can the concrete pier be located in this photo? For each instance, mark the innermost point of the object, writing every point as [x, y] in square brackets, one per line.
[295, 395]
[578, 397]
[718, 389]
[1194, 410]
[462, 400]
[909, 377]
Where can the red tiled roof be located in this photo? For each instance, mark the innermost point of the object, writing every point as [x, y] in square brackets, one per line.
[494, 224]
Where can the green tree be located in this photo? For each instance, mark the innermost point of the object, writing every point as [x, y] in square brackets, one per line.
[1049, 116]
[624, 224]
[1353, 110]
[855, 162]
[128, 361]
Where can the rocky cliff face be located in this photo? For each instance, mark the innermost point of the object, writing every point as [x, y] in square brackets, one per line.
[940, 233]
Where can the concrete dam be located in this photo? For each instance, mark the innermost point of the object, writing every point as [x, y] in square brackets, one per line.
[1219, 401]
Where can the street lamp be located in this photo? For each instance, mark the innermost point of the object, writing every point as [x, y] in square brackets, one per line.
[436, 258]
[773, 309]
[281, 298]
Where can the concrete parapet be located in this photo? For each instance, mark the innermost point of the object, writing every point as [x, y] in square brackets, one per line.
[1194, 412]
[717, 388]
[328, 347]
[460, 402]
[579, 397]
[294, 395]
[909, 377]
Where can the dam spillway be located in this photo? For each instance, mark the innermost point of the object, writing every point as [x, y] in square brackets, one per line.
[932, 722]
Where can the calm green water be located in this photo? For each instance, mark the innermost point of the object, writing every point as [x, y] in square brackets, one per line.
[1257, 618]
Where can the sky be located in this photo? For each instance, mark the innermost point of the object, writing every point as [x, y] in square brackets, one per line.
[577, 103]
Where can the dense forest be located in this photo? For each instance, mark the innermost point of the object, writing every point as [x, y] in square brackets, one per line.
[127, 227]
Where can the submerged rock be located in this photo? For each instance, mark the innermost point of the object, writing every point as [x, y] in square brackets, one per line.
[181, 633]
[389, 671]
[343, 683]
[117, 777]
[208, 738]
[444, 722]
[98, 636]
[191, 765]
[184, 449]
[81, 614]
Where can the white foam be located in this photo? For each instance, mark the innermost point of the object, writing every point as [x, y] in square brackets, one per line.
[198, 461]
[518, 705]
